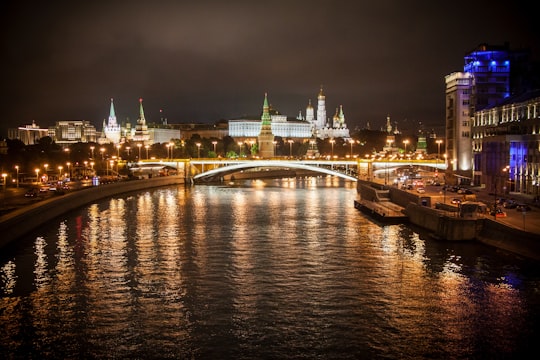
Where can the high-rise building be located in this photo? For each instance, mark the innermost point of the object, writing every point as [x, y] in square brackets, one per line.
[458, 126]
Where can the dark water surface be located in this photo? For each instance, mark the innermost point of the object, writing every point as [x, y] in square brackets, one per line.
[282, 269]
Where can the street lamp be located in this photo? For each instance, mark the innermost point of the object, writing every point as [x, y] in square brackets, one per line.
[69, 169]
[60, 172]
[37, 176]
[332, 142]
[17, 168]
[290, 147]
[439, 142]
[102, 151]
[275, 145]
[240, 146]
[139, 145]
[214, 143]
[405, 143]
[198, 150]
[4, 176]
[146, 147]
[46, 167]
[92, 149]
[351, 142]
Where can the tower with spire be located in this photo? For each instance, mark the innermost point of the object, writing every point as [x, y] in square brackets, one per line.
[141, 129]
[111, 129]
[266, 137]
[321, 109]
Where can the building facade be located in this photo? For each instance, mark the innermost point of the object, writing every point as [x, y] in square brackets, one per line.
[67, 132]
[506, 145]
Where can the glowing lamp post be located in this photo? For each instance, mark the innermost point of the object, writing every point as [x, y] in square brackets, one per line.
[332, 142]
[405, 143]
[352, 143]
[146, 147]
[290, 147]
[17, 168]
[198, 150]
[60, 171]
[214, 143]
[37, 176]
[4, 176]
[240, 146]
[139, 145]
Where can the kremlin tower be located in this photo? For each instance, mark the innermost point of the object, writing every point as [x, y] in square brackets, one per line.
[266, 138]
[141, 129]
[112, 130]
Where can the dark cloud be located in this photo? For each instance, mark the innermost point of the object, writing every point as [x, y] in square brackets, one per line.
[206, 60]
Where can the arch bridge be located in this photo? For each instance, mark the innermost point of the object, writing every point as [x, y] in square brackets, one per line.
[201, 170]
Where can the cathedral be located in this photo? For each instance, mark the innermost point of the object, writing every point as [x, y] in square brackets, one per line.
[322, 126]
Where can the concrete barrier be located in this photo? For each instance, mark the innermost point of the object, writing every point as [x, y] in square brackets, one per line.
[22, 221]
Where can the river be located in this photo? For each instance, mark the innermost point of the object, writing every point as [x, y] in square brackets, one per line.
[274, 269]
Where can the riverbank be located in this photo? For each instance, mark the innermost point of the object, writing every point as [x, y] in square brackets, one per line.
[23, 220]
[422, 210]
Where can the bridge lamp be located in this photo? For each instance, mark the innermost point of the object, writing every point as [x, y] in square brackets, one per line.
[198, 150]
[351, 142]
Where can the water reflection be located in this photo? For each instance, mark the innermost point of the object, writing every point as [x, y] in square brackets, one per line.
[258, 270]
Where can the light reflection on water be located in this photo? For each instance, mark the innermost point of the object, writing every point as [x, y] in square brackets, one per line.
[275, 269]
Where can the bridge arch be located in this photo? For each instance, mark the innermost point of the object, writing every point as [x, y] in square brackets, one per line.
[234, 167]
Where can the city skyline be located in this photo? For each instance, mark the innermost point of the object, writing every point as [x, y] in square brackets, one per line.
[213, 60]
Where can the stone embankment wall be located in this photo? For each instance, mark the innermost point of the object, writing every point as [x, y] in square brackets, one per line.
[22, 221]
[514, 240]
[441, 225]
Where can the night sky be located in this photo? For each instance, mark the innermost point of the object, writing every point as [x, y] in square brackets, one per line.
[202, 61]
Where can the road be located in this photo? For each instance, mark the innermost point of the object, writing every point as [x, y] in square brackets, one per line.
[528, 221]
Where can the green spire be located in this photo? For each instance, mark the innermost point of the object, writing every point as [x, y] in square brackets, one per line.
[266, 119]
[141, 110]
[111, 113]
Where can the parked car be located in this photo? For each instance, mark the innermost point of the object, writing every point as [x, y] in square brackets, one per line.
[523, 207]
[498, 213]
[509, 204]
[456, 201]
[31, 193]
[420, 190]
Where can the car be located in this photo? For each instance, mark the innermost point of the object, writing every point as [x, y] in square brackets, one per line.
[420, 190]
[456, 201]
[43, 189]
[509, 204]
[31, 193]
[498, 213]
[523, 207]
